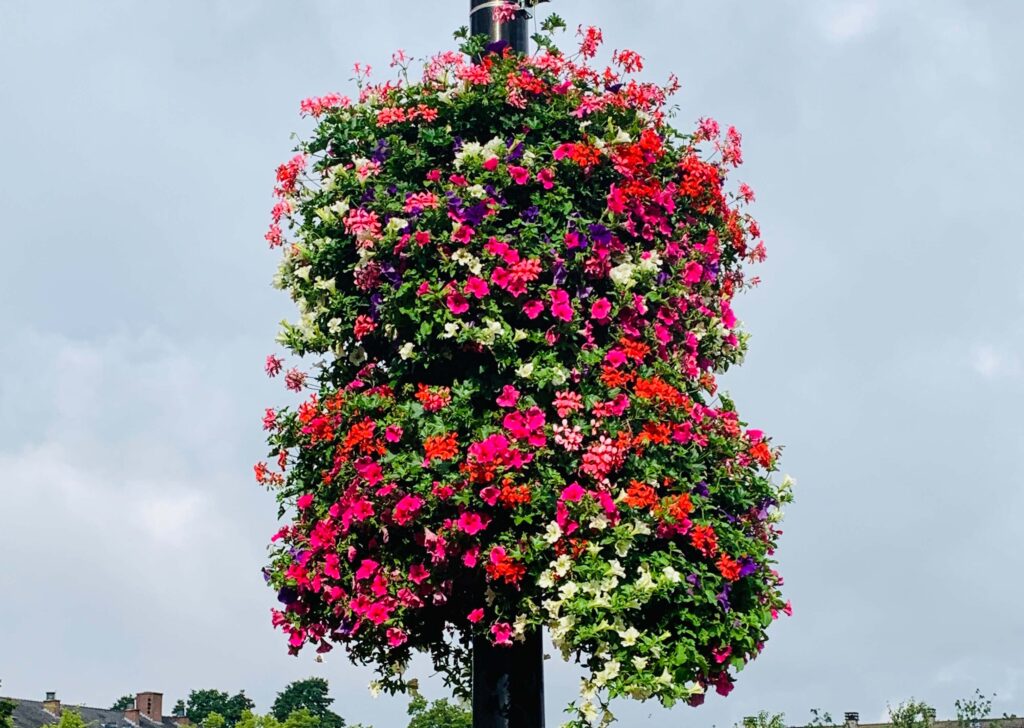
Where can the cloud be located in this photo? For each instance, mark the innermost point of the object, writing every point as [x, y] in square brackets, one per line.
[992, 363]
[850, 20]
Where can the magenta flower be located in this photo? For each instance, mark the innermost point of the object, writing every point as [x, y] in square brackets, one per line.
[476, 287]
[471, 523]
[546, 177]
[406, 509]
[475, 616]
[573, 493]
[560, 306]
[457, 303]
[533, 309]
[304, 501]
[396, 637]
[367, 569]
[693, 273]
[502, 633]
[520, 175]
[418, 573]
[508, 397]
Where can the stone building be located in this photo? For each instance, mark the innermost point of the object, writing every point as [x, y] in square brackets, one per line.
[147, 713]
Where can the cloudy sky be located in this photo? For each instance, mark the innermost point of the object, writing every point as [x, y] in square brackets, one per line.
[138, 140]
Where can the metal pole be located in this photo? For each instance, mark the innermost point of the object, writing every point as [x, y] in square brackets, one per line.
[508, 683]
[515, 32]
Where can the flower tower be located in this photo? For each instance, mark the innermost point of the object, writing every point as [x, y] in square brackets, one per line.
[515, 284]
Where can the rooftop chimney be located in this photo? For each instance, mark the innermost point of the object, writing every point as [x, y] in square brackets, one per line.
[852, 719]
[51, 705]
[132, 716]
[150, 705]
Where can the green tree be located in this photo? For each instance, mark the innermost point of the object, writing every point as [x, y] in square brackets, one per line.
[179, 709]
[912, 714]
[71, 718]
[971, 711]
[764, 719]
[439, 714]
[821, 719]
[229, 708]
[7, 713]
[125, 702]
[310, 695]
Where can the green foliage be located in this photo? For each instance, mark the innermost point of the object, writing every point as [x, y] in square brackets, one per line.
[439, 714]
[201, 703]
[6, 714]
[310, 695]
[213, 720]
[821, 719]
[125, 702]
[70, 718]
[912, 714]
[179, 709]
[764, 719]
[971, 711]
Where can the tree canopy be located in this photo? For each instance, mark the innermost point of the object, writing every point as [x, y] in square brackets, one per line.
[125, 702]
[310, 695]
[201, 703]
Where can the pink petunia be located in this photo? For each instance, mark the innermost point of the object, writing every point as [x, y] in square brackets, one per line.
[393, 433]
[305, 501]
[560, 306]
[406, 509]
[546, 177]
[491, 164]
[600, 309]
[457, 303]
[527, 425]
[508, 397]
[693, 273]
[564, 150]
[418, 574]
[490, 495]
[396, 637]
[502, 633]
[469, 559]
[533, 309]
[573, 493]
[476, 287]
[463, 234]
[475, 616]
[498, 554]
[367, 569]
[520, 175]
[471, 523]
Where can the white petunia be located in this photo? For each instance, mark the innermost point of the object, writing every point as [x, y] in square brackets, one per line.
[622, 274]
[525, 371]
[407, 350]
[630, 636]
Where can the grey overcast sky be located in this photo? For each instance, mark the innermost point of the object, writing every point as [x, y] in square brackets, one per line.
[138, 141]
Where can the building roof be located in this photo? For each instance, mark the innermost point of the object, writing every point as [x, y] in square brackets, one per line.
[32, 714]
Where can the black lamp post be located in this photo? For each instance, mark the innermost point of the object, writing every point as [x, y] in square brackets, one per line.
[515, 32]
[508, 682]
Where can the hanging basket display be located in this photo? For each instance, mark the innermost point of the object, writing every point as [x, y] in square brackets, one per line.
[515, 285]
